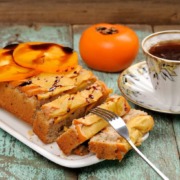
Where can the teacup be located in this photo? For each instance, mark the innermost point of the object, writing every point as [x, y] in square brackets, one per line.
[163, 65]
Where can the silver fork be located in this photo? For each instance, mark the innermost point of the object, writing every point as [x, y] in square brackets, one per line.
[119, 125]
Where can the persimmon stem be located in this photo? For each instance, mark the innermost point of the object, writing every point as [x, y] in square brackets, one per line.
[107, 31]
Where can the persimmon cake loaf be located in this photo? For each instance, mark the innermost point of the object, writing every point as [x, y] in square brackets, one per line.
[34, 73]
[24, 97]
[42, 84]
[51, 101]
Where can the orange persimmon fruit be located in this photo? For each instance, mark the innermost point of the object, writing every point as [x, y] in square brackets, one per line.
[9, 70]
[108, 47]
[45, 57]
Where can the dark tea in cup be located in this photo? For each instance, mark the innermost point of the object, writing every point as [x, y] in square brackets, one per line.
[167, 50]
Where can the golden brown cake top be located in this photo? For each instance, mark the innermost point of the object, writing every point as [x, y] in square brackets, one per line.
[45, 85]
[68, 103]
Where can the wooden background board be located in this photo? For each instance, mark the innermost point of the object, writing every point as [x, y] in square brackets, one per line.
[90, 11]
[17, 161]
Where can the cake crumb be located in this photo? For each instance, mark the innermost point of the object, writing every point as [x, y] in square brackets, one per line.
[30, 133]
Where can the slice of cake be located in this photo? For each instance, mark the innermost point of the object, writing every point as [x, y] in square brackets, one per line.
[85, 128]
[54, 116]
[24, 97]
[108, 144]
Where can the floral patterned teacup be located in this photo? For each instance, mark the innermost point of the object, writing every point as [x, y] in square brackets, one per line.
[164, 73]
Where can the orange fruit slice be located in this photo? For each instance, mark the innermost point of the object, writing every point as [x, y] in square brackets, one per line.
[45, 57]
[9, 70]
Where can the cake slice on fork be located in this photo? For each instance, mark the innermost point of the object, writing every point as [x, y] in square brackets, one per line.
[108, 144]
[84, 128]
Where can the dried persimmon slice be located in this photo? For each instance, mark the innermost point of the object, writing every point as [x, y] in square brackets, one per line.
[45, 57]
[9, 70]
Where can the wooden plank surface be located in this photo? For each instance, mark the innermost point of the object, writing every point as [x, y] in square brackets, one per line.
[35, 32]
[17, 161]
[90, 11]
[166, 27]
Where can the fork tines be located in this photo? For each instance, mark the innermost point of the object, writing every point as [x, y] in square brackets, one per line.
[105, 114]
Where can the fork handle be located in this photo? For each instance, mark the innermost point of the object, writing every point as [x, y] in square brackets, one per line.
[147, 160]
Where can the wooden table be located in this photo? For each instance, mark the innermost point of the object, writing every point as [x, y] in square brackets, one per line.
[17, 161]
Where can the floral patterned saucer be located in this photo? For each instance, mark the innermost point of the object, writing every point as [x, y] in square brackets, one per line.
[135, 84]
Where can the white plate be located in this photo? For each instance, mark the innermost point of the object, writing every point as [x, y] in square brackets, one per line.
[23, 132]
[135, 84]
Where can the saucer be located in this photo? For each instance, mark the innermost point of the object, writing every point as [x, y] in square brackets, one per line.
[135, 84]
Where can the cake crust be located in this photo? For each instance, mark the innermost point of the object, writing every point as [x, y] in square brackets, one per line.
[17, 103]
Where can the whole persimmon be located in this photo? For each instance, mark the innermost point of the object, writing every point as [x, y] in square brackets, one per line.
[108, 47]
